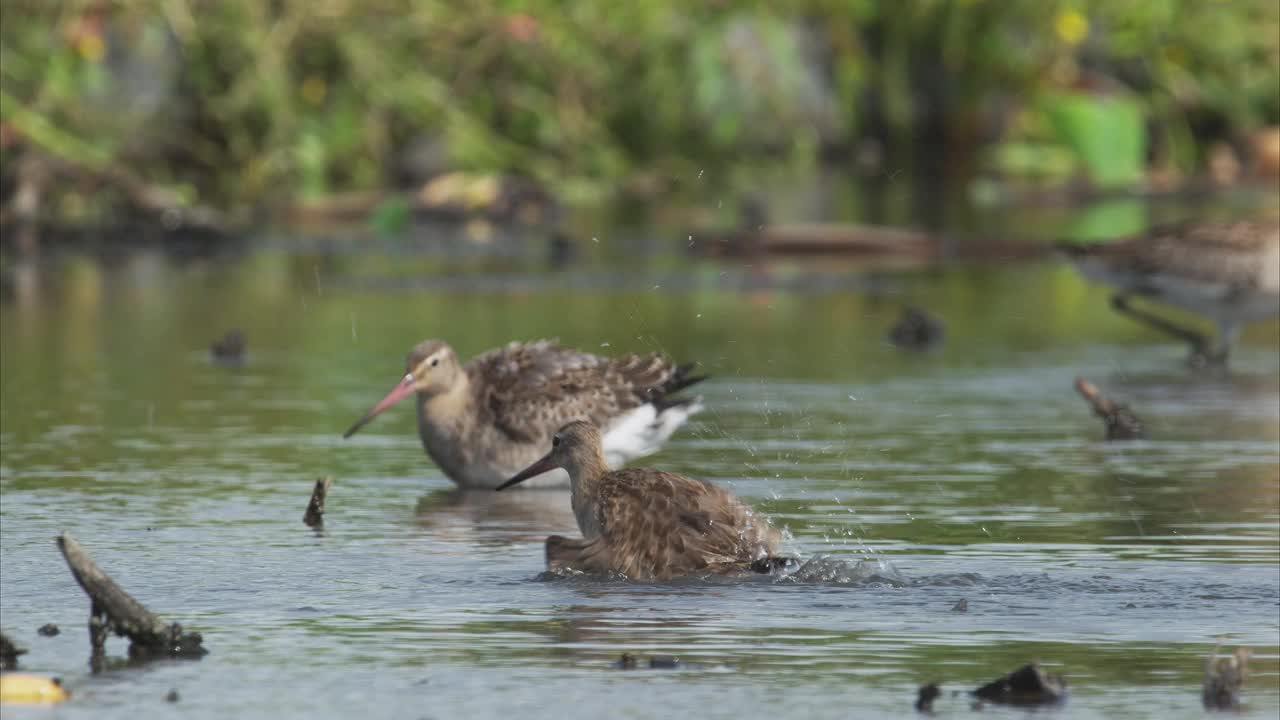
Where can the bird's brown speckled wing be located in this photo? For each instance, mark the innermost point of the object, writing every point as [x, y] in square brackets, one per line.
[659, 525]
[1227, 253]
[529, 390]
[590, 556]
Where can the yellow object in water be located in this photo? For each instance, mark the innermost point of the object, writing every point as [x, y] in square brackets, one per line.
[25, 689]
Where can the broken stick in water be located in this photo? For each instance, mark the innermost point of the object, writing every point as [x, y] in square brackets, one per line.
[9, 653]
[1121, 423]
[314, 516]
[1223, 679]
[114, 610]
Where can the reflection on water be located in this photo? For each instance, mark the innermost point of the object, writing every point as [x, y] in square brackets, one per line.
[906, 482]
[496, 518]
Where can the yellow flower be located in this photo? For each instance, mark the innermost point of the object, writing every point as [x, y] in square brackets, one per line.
[1072, 27]
[91, 47]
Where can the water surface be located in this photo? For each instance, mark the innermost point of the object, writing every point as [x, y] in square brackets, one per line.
[972, 472]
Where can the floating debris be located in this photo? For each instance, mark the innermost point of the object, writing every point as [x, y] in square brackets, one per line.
[48, 630]
[25, 689]
[916, 330]
[1223, 678]
[9, 653]
[114, 610]
[314, 516]
[230, 349]
[659, 662]
[928, 693]
[1121, 423]
[1028, 685]
[664, 662]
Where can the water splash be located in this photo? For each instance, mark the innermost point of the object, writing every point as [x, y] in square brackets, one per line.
[826, 569]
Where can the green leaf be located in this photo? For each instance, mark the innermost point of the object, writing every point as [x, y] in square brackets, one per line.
[1107, 133]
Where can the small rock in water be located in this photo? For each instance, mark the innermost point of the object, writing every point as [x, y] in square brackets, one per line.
[1028, 685]
[48, 630]
[916, 330]
[961, 606]
[230, 348]
[172, 696]
[1223, 678]
[928, 693]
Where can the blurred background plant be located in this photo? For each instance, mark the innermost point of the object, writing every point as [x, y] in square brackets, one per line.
[236, 105]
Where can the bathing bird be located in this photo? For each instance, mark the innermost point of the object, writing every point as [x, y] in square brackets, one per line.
[648, 524]
[482, 421]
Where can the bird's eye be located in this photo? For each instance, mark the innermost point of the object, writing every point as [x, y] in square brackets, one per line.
[435, 362]
[555, 441]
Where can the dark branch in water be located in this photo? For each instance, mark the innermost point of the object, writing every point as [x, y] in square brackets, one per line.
[314, 516]
[114, 610]
[1121, 423]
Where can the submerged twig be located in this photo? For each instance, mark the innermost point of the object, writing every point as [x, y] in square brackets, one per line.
[314, 517]
[114, 610]
[1121, 423]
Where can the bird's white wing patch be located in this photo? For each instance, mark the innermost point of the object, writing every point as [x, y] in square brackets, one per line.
[643, 431]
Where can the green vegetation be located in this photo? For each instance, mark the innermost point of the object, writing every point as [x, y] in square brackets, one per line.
[239, 102]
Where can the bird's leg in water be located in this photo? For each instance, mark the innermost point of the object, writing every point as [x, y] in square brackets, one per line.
[1202, 352]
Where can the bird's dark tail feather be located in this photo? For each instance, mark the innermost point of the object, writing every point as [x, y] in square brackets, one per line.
[679, 380]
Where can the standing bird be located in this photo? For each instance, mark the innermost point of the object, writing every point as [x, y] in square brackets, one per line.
[483, 421]
[1229, 273]
[648, 524]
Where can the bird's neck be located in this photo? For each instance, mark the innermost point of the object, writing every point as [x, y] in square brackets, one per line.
[449, 414]
[584, 484]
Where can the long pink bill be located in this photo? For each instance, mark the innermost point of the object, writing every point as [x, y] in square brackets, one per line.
[402, 390]
[546, 464]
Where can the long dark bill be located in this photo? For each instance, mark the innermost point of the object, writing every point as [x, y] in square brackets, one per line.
[544, 465]
[402, 390]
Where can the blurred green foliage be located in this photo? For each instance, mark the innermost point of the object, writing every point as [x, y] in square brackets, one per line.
[240, 101]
